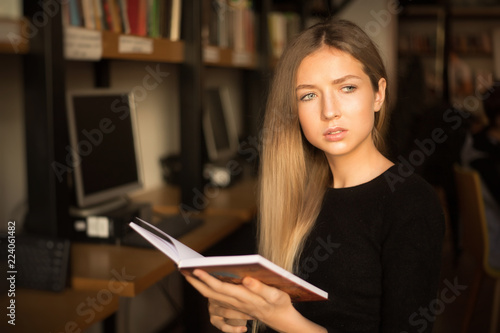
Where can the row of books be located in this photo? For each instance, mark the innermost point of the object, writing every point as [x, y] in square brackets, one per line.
[479, 43]
[417, 43]
[151, 18]
[283, 26]
[229, 24]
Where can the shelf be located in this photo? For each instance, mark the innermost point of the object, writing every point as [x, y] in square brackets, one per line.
[163, 50]
[12, 40]
[462, 12]
[475, 54]
[472, 12]
[411, 54]
[93, 45]
[422, 11]
[223, 57]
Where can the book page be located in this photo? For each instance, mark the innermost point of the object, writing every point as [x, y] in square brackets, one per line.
[183, 251]
[161, 244]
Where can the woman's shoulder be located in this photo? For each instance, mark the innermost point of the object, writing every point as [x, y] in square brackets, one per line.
[402, 181]
[407, 193]
[412, 205]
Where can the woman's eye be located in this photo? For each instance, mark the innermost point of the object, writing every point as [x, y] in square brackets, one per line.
[348, 89]
[308, 97]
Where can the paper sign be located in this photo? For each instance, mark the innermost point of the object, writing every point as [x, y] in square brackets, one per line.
[82, 44]
[211, 54]
[242, 58]
[134, 44]
[7, 28]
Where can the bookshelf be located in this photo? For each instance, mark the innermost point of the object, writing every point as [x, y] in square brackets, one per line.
[163, 50]
[225, 57]
[78, 38]
[431, 32]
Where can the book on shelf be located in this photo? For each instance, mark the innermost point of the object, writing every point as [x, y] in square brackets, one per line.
[283, 26]
[230, 24]
[231, 269]
[147, 18]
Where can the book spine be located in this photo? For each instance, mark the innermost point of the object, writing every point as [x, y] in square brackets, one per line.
[175, 22]
[133, 16]
[167, 14]
[142, 18]
[116, 15]
[75, 13]
[65, 14]
[277, 30]
[124, 16]
[107, 14]
[96, 6]
[153, 19]
[88, 14]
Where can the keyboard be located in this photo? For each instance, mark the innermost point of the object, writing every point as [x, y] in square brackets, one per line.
[41, 263]
[175, 226]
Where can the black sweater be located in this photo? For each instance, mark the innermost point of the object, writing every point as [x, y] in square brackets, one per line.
[376, 250]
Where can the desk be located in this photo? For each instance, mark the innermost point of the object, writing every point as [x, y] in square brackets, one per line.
[239, 200]
[96, 266]
[102, 270]
[68, 311]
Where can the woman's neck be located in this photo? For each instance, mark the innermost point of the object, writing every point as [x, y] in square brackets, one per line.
[356, 169]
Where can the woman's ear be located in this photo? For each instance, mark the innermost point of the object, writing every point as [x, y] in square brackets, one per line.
[380, 95]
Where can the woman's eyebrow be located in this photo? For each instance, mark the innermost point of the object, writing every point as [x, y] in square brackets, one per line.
[336, 81]
[345, 78]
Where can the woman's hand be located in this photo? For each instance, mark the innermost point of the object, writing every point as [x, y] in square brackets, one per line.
[226, 319]
[251, 300]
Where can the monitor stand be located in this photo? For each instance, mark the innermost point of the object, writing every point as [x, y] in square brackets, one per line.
[99, 209]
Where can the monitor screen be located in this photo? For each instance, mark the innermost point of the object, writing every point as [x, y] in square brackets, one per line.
[219, 126]
[104, 146]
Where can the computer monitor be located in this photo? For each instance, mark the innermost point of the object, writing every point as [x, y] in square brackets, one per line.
[105, 149]
[219, 125]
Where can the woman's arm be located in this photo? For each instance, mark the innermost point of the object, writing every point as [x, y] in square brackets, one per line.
[254, 299]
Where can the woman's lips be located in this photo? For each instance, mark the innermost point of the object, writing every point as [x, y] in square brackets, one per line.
[335, 134]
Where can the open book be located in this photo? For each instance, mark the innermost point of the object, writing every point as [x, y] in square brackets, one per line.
[231, 269]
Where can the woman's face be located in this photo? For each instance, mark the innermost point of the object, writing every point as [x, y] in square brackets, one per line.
[336, 102]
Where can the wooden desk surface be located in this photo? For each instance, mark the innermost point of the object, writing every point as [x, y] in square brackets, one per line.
[127, 271]
[240, 200]
[101, 273]
[68, 311]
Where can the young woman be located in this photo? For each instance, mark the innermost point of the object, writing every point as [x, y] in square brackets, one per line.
[333, 209]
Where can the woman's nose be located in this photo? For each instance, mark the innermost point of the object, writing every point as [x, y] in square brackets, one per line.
[330, 109]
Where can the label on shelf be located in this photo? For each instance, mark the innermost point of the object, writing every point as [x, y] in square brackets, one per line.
[134, 44]
[7, 29]
[82, 44]
[211, 54]
[12, 37]
[241, 58]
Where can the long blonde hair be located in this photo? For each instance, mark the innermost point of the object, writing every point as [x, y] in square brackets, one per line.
[294, 175]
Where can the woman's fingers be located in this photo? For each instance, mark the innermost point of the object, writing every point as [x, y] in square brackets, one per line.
[232, 294]
[224, 310]
[206, 290]
[222, 324]
[216, 284]
[270, 294]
